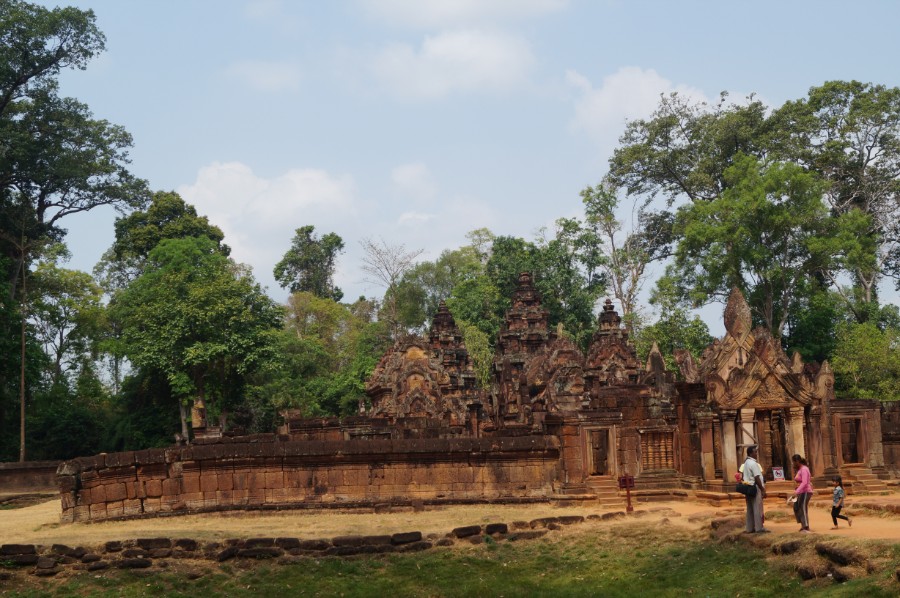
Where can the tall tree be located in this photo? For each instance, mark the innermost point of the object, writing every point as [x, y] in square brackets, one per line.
[199, 319]
[758, 235]
[55, 158]
[849, 132]
[310, 263]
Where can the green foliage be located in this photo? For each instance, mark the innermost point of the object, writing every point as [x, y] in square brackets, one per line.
[675, 328]
[479, 347]
[812, 325]
[308, 266]
[866, 361]
[197, 318]
[757, 235]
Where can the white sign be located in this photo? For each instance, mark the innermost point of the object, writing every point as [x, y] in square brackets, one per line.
[778, 473]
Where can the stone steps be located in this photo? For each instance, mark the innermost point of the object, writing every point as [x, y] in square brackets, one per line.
[606, 488]
[863, 481]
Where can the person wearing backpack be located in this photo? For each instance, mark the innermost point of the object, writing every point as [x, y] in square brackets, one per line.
[752, 475]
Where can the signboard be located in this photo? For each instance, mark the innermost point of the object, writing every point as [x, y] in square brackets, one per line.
[778, 474]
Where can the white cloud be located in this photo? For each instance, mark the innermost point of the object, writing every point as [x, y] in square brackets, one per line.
[259, 216]
[413, 218]
[455, 61]
[629, 93]
[414, 180]
[452, 13]
[265, 76]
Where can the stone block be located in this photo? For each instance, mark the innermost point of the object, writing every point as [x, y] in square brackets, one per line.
[115, 509]
[274, 479]
[115, 492]
[190, 483]
[98, 510]
[152, 505]
[406, 537]
[208, 483]
[171, 487]
[225, 481]
[132, 507]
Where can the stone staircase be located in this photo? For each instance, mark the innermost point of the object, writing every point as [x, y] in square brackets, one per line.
[861, 480]
[607, 490]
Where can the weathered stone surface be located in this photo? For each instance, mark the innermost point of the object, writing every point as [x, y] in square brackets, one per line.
[496, 528]
[134, 563]
[315, 544]
[812, 571]
[20, 560]
[11, 549]
[45, 563]
[186, 544]
[90, 558]
[543, 522]
[414, 546]
[98, 565]
[160, 553]
[348, 541]
[228, 553]
[840, 575]
[570, 519]
[287, 543]
[612, 515]
[466, 531]
[113, 546]
[406, 537]
[444, 542]
[151, 543]
[48, 572]
[131, 553]
[259, 543]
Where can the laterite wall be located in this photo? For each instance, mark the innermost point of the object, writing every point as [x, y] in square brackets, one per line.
[265, 472]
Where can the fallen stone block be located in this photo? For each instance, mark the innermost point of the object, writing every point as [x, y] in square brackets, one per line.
[543, 522]
[496, 528]
[160, 553]
[612, 515]
[287, 543]
[135, 553]
[414, 546]
[259, 542]
[444, 542]
[261, 552]
[90, 558]
[228, 553]
[113, 546]
[20, 560]
[151, 543]
[787, 547]
[840, 575]
[14, 549]
[98, 566]
[466, 531]
[406, 538]
[49, 572]
[315, 545]
[186, 544]
[570, 519]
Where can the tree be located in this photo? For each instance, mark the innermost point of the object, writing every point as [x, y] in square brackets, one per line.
[674, 329]
[55, 159]
[849, 132]
[623, 258]
[200, 320]
[68, 317]
[758, 235]
[867, 361]
[309, 264]
[385, 265]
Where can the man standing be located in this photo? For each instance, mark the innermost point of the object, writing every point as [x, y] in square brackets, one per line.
[752, 474]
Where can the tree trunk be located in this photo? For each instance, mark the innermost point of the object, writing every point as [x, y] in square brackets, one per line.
[22, 393]
[185, 432]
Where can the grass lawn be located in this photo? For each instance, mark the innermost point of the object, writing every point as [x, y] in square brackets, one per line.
[630, 559]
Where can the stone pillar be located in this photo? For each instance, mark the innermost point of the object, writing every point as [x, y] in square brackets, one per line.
[198, 414]
[707, 459]
[729, 445]
[795, 432]
[816, 456]
[748, 429]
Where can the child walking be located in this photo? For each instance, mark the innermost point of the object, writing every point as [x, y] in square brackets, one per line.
[837, 502]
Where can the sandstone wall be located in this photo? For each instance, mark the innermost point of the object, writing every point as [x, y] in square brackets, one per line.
[29, 476]
[265, 472]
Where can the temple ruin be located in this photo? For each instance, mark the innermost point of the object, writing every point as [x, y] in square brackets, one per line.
[556, 424]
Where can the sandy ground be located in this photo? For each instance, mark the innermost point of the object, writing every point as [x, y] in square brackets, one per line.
[39, 524]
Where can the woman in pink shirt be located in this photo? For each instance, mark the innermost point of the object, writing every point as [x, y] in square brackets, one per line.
[803, 492]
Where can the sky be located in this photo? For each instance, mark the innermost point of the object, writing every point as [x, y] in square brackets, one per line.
[417, 121]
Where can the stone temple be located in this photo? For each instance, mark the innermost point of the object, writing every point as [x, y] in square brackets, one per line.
[555, 424]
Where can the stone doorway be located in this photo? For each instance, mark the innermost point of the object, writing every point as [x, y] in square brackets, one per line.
[601, 452]
[851, 440]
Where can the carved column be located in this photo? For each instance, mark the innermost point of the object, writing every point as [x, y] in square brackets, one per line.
[748, 431]
[795, 433]
[707, 458]
[729, 445]
[816, 455]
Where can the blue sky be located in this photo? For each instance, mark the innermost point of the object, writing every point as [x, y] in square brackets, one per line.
[417, 121]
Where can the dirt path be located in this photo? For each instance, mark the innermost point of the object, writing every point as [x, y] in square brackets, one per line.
[39, 524]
